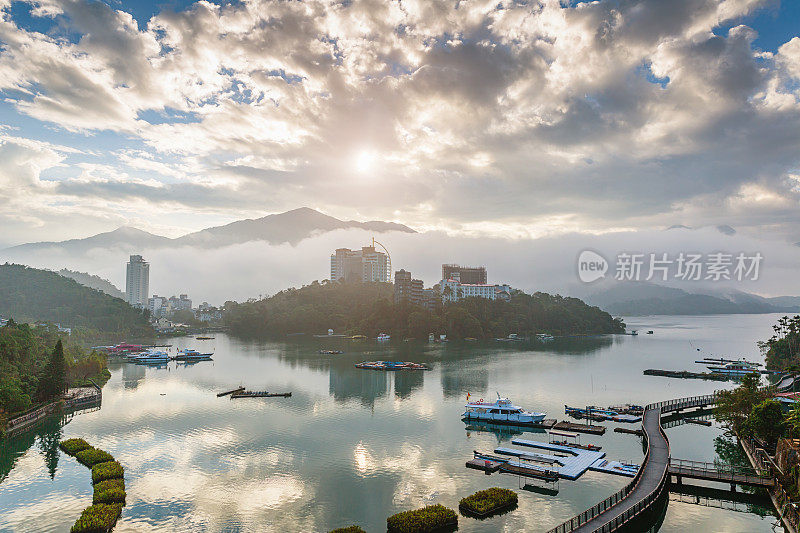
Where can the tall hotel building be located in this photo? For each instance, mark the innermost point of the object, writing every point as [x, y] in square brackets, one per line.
[366, 264]
[137, 281]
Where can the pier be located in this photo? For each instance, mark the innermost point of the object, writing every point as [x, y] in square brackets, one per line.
[650, 482]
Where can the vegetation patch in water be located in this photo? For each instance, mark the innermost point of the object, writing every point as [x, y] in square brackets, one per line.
[73, 446]
[109, 491]
[109, 470]
[349, 529]
[98, 518]
[486, 502]
[93, 456]
[427, 519]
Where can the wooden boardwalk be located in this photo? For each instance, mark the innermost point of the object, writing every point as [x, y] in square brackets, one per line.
[648, 485]
[725, 474]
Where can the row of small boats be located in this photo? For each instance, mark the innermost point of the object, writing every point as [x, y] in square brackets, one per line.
[391, 365]
[155, 357]
[627, 413]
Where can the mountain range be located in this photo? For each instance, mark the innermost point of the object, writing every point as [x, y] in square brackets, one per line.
[289, 227]
[636, 299]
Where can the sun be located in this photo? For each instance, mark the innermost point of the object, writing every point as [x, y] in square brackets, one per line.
[365, 161]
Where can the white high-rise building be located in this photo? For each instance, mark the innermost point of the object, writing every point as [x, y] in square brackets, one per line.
[137, 281]
[366, 264]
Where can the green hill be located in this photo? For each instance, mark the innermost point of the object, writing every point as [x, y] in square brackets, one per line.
[368, 309]
[95, 282]
[32, 295]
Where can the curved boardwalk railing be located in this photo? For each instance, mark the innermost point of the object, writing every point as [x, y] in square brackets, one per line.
[649, 483]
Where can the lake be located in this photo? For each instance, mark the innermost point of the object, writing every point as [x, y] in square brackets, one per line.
[354, 446]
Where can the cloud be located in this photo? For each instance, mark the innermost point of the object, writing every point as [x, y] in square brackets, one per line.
[481, 116]
[545, 264]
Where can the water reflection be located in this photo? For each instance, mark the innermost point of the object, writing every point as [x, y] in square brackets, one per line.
[354, 446]
[46, 435]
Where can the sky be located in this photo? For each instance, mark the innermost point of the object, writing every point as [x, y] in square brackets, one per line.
[509, 119]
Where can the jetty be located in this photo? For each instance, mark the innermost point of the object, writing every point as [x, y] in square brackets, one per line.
[239, 389]
[685, 374]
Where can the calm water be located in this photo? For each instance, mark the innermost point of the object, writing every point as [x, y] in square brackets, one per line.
[355, 446]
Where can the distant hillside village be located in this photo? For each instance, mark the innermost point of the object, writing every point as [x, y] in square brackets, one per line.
[167, 315]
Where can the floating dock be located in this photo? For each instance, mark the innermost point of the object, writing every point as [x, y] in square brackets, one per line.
[637, 432]
[580, 428]
[486, 465]
[261, 394]
[685, 374]
[568, 462]
[220, 394]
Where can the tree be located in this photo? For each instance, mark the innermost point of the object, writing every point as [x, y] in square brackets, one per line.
[793, 421]
[54, 381]
[766, 421]
[735, 406]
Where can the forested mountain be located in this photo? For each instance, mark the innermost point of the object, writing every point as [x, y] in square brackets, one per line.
[32, 295]
[368, 309]
[95, 282]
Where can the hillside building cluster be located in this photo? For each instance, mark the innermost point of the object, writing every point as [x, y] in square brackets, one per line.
[457, 282]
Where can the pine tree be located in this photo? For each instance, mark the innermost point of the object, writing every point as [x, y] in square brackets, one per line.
[54, 380]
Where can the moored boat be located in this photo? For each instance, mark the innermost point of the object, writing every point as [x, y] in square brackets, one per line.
[500, 411]
[741, 368]
[192, 355]
[149, 357]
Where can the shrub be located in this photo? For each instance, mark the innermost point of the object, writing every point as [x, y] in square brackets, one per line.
[109, 470]
[73, 446]
[109, 491]
[487, 501]
[93, 456]
[97, 518]
[349, 529]
[428, 518]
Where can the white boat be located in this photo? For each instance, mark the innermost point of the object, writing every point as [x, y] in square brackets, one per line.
[149, 357]
[544, 337]
[383, 337]
[192, 355]
[501, 411]
[735, 369]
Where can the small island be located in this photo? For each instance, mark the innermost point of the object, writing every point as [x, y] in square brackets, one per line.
[369, 309]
